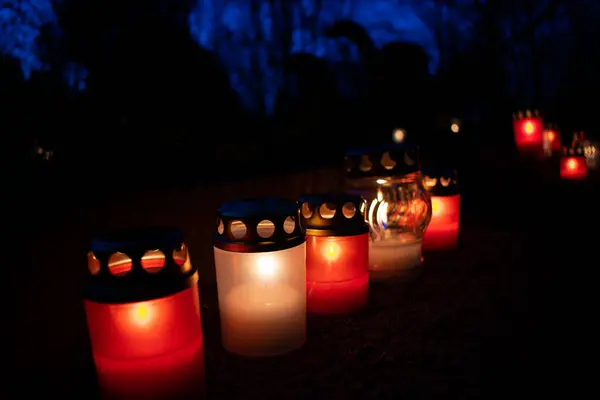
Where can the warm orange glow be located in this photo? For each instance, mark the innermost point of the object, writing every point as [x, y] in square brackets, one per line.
[436, 206]
[337, 277]
[442, 231]
[455, 128]
[573, 168]
[551, 136]
[148, 349]
[529, 128]
[142, 314]
[266, 268]
[331, 251]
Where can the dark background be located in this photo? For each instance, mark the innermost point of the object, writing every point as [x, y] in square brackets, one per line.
[223, 83]
[125, 113]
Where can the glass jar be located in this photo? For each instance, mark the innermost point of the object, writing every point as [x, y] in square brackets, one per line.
[398, 208]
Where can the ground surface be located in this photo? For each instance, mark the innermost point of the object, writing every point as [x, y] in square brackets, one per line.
[474, 324]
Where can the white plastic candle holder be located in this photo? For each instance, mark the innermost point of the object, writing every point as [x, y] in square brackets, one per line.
[260, 260]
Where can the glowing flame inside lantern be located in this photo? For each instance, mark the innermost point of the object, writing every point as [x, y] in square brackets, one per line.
[377, 215]
[436, 206]
[266, 270]
[529, 128]
[142, 314]
[331, 251]
[572, 165]
[455, 128]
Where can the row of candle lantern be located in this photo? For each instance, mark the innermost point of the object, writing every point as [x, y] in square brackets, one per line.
[532, 138]
[275, 260]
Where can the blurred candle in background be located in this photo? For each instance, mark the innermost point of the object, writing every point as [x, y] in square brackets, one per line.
[143, 313]
[442, 231]
[528, 132]
[573, 167]
[260, 254]
[552, 140]
[337, 259]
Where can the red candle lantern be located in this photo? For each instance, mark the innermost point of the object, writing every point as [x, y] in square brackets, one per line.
[143, 315]
[551, 139]
[442, 231]
[337, 253]
[528, 131]
[573, 165]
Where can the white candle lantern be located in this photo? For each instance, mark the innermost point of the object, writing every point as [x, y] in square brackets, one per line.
[398, 206]
[260, 259]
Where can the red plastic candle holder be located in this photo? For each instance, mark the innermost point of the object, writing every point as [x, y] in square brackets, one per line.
[573, 167]
[143, 315]
[442, 232]
[528, 130]
[337, 253]
[552, 141]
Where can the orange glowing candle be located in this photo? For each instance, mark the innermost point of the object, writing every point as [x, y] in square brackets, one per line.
[573, 167]
[337, 253]
[143, 315]
[551, 140]
[442, 231]
[528, 132]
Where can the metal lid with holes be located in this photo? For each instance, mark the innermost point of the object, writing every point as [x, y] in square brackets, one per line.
[527, 114]
[387, 161]
[440, 181]
[258, 225]
[138, 265]
[333, 214]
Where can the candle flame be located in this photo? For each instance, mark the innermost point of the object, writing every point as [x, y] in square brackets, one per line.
[142, 314]
[529, 128]
[265, 268]
[436, 206]
[371, 215]
[572, 165]
[332, 251]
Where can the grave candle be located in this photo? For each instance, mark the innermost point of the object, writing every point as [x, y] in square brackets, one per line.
[337, 274]
[573, 167]
[442, 231]
[398, 207]
[528, 131]
[143, 315]
[261, 276]
[552, 141]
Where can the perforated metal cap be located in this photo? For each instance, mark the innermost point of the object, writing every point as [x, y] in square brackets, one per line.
[387, 161]
[333, 214]
[440, 181]
[258, 225]
[109, 282]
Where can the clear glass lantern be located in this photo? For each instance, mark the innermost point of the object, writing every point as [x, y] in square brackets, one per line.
[442, 231]
[337, 247]
[260, 260]
[398, 208]
[143, 315]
